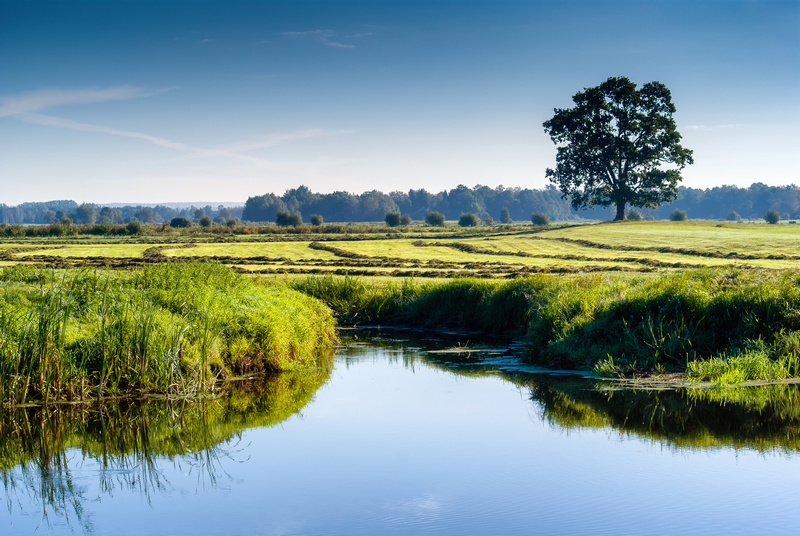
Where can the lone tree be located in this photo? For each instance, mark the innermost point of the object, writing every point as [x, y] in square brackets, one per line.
[612, 146]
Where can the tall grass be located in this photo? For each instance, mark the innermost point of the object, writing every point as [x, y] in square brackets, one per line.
[615, 324]
[171, 328]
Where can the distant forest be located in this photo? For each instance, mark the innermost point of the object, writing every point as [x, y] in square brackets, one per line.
[714, 203]
[722, 202]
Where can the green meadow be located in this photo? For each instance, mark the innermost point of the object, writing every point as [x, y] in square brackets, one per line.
[717, 301]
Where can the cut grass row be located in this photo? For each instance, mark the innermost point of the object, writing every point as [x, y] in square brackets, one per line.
[632, 246]
[168, 328]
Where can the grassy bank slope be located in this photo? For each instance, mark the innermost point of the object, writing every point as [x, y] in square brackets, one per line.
[723, 325]
[172, 328]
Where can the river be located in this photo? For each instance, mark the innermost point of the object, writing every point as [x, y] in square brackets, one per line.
[398, 437]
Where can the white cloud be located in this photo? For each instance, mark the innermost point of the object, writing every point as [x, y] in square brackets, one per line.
[34, 101]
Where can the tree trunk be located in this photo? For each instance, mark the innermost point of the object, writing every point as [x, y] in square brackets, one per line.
[620, 211]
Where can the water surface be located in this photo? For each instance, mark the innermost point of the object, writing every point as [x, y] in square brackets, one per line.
[398, 440]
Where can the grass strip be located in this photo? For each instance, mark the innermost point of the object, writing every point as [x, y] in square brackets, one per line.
[747, 319]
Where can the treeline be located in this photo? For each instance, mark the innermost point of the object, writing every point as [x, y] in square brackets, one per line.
[721, 202]
[63, 211]
[715, 203]
[373, 206]
[728, 202]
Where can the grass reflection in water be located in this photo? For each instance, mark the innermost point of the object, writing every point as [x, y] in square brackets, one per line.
[130, 440]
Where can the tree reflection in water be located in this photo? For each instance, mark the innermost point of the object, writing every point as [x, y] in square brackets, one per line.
[132, 440]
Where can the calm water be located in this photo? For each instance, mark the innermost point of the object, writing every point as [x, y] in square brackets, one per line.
[398, 440]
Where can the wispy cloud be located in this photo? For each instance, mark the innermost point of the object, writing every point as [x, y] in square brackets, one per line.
[35, 101]
[233, 151]
[322, 36]
[278, 139]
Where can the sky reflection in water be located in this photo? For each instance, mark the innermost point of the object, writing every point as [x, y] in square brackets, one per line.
[402, 442]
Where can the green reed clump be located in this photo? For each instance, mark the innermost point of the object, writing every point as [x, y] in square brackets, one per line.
[171, 328]
[615, 324]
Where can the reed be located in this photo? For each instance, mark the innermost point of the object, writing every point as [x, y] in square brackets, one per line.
[170, 328]
[612, 324]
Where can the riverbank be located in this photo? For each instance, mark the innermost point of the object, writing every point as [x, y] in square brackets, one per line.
[176, 328]
[722, 325]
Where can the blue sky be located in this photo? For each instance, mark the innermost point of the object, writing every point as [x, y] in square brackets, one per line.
[185, 100]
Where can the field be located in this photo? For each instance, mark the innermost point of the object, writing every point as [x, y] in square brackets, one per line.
[423, 252]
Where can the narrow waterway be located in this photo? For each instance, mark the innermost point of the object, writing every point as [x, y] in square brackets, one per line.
[401, 438]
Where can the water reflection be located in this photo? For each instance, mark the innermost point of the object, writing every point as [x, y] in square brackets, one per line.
[132, 442]
[763, 418]
[59, 459]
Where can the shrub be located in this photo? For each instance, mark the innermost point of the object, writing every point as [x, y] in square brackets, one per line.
[205, 221]
[772, 217]
[435, 218]
[392, 219]
[135, 227]
[405, 220]
[678, 215]
[635, 215]
[468, 220]
[540, 218]
[287, 219]
[316, 220]
[505, 216]
[733, 216]
[488, 221]
[180, 222]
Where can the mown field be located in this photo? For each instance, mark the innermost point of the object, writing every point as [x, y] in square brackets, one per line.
[421, 252]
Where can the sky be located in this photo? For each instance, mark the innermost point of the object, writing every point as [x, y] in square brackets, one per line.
[139, 101]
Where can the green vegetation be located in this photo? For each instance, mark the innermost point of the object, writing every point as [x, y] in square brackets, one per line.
[677, 215]
[747, 321]
[468, 220]
[435, 218]
[612, 146]
[772, 216]
[392, 219]
[539, 218]
[171, 328]
[286, 219]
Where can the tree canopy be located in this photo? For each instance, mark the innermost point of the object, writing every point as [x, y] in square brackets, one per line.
[613, 144]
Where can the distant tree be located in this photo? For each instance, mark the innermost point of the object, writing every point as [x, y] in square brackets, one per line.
[111, 215]
[733, 216]
[635, 215]
[435, 218]
[224, 213]
[612, 144]
[86, 214]
[540, 218]
[488, 221]
[505, 216]
[198, 214]
[405, 220]
[288, 219]
[468, 220]
[392, 219]
[146, 215]
[205, 221]
[772, 216]
[180, 222]
[316, 220]
[678, 215]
